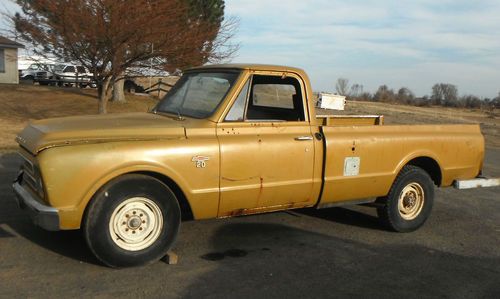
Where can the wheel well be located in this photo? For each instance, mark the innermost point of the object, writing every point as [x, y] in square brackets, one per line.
[186, 212]
[430, 166]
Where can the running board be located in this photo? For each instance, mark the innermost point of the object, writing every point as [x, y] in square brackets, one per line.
[478, 182]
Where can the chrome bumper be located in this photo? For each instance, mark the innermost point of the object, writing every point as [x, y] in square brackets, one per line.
[44, 216]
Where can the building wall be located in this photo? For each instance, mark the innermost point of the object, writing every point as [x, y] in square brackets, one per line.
[11, 75]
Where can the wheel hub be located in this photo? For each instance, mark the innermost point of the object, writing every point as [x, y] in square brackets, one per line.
[411, 201]
[136, 223]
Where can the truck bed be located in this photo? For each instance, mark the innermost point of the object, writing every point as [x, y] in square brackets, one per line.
[362, 160]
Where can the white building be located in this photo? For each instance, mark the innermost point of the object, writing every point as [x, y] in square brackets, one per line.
[8, 60]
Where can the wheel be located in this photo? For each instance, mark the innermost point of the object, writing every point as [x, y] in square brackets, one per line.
[409, 202]
[132, 221]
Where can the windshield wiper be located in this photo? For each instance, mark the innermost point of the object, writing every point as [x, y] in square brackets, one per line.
[179, 116]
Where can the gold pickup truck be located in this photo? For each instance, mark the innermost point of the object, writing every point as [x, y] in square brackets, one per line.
[229, 140]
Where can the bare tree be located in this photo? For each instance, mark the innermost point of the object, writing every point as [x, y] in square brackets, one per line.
[495, 103]
[209, 12]
[384, 94]
[470, 101]
[445, 94]
[342, 86]
[365, 96]
[356, 91]
[118, 92]
[110, 36]
[405, 96]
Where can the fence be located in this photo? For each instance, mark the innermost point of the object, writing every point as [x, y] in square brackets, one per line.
[159, 87]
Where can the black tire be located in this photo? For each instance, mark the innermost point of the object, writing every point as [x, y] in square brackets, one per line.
[416, 183]
[103, 210]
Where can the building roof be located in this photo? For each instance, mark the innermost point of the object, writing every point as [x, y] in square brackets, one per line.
[7, 43]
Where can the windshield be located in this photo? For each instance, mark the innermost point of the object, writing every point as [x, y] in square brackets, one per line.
[197, 94]
[59, 67]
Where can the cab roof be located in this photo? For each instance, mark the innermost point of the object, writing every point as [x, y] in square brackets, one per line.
[249, 66]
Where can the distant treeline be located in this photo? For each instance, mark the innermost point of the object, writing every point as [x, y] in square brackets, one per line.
[443, 94]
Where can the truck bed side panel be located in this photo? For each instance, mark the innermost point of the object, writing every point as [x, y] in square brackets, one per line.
[384, 150]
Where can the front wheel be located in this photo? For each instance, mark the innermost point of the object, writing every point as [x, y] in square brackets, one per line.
[409, 202]
[132, 221]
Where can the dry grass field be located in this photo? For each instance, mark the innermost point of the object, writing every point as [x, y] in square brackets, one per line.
[403, 114]
[20, 103]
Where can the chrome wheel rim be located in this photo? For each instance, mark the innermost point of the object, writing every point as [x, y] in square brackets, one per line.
[136, 223]
[411, 201]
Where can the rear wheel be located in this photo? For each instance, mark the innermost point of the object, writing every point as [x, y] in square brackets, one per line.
[132, 221]
[409, 202]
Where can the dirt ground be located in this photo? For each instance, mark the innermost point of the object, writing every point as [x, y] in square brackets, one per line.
[20, 103]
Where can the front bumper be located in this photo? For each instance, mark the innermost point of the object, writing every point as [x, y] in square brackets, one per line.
[44, 216]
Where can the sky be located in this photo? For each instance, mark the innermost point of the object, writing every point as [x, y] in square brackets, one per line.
[400, 43]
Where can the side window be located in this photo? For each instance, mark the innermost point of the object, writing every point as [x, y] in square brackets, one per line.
[275, 98]
[69, 69]
[237, 112]
[80, 69]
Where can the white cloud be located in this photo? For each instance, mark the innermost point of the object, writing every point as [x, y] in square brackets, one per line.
[399, 43]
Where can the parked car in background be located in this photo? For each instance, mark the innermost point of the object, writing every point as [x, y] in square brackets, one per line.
[30, 73]
[43, 74]
[71, 75]
[28, 66]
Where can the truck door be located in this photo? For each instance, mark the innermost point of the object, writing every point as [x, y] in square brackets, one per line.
[266, 148]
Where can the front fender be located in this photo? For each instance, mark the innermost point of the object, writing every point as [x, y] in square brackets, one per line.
[73, 174]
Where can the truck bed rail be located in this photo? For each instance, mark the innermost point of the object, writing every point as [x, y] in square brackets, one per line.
[350, 120]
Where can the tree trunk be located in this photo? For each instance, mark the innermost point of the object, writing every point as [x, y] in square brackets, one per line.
[104, 96]
[118, 93]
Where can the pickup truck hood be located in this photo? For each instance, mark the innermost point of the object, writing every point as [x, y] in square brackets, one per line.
[42, 134]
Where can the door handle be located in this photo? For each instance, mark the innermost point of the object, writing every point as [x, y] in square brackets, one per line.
[303, 138]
